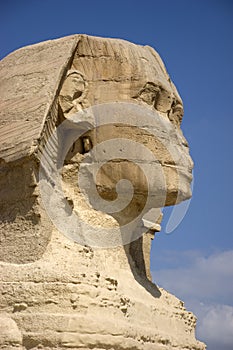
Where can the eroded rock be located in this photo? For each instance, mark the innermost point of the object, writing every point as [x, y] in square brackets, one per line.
[63, 294]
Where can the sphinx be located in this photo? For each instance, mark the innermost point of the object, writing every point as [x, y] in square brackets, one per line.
[79, 115]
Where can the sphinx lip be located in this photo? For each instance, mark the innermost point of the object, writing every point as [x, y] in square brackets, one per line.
[182, 170]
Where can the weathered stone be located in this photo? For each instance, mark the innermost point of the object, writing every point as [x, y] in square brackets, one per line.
[10, 336]
[62, 294]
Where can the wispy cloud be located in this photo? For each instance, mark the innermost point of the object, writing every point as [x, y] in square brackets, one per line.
[215, 324]
[205, 283]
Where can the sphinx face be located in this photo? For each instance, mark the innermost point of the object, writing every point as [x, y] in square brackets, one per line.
[126, 73]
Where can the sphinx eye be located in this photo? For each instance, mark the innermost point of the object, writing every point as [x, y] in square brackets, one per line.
[149, 94]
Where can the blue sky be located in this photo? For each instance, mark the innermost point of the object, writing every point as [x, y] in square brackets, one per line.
[194, 38]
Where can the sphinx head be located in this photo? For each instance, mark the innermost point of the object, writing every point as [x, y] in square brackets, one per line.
[121, 149]
[120, 118]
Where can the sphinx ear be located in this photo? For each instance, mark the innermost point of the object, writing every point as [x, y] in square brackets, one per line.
[73, 93]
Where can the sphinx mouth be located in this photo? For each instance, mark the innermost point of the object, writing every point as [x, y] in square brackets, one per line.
[184, 170]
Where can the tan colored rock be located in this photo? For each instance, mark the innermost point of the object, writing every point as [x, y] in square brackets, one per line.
[63, 294]
[10, 336]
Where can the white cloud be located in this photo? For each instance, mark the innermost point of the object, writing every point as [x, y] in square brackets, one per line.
[206, 286]
[203, 278]
[215, 324]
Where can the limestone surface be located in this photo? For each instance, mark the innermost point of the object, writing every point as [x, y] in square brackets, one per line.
[73, 287]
